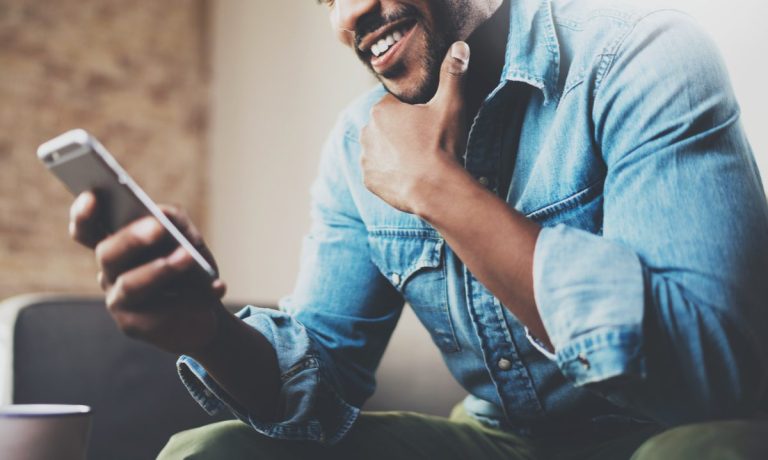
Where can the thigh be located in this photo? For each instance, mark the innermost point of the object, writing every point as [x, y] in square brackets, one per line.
[375, 435]
[736, 440]
[388, 435]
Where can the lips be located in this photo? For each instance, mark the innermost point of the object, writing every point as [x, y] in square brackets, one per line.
[381, 45]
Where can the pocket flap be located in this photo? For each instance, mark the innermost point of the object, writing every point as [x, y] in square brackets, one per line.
[400, 253]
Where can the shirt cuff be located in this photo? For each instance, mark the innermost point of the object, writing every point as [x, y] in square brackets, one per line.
[539, 345]
[311, 408]
[590, 293]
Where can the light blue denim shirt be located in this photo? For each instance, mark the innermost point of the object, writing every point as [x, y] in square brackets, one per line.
[650, 272]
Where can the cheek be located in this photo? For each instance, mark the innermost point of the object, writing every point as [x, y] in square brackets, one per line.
[415, 59]
[344, 36]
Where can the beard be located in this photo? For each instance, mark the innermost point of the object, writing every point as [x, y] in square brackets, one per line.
[449, 18]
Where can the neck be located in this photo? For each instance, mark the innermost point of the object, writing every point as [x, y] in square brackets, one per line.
[488, 44]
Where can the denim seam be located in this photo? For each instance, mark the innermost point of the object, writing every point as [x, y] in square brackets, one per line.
[625, 344]
[404, 232]
[456, 347]
[426, 259]
[309, 362]
[616, 48]
[569, 202]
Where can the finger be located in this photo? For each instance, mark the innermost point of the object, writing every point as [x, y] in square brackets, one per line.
[133, 245]
[102, 281]
[135, 287]
[455, 65]
[181, 220]
[219, 288]
[84, 226]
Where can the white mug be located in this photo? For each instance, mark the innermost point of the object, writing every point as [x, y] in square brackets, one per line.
[44, 431]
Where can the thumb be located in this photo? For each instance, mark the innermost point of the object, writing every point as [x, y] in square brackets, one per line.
[452, 74]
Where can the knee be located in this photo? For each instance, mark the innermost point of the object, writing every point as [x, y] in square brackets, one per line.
[737, 440]
[213, 441]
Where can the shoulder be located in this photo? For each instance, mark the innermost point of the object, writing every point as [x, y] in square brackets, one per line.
[603, 18]
[647, 43]
[339, 170]
[604, 27]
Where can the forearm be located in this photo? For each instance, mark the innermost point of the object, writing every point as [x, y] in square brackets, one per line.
[495, 242]
[254, 385]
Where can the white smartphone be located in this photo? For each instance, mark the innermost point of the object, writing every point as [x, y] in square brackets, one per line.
[83, 164]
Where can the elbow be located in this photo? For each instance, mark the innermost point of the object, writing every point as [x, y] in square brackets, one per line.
[713, 372]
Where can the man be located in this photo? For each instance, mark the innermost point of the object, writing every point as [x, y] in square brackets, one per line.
[563, 193]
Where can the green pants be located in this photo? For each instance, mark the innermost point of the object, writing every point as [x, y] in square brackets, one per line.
[407, 435]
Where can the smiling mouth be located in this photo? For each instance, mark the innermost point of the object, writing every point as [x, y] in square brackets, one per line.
[379, 43]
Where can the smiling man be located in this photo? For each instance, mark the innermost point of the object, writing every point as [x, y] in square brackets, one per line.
[562, 192]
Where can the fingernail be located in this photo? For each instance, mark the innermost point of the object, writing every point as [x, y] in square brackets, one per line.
[178, 258]
[460, 51]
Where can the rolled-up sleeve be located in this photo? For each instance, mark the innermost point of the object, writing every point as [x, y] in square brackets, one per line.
[311, 407]
[666, 310]
[330, 333]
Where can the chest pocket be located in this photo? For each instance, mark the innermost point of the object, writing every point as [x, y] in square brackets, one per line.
[413, 261]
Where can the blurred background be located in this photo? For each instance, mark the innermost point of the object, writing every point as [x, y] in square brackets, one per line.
[221, 106]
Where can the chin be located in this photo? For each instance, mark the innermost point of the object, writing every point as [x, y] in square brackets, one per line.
[419, 89]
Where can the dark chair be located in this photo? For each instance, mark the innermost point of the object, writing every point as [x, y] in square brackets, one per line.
[68, 350]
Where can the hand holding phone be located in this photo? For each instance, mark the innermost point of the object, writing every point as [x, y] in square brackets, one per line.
[160, 281]
[83, 164]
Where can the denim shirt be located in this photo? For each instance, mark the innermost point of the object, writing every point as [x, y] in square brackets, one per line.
[649, 272]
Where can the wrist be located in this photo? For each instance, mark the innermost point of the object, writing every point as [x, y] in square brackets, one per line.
[436, 193]
[226, 329]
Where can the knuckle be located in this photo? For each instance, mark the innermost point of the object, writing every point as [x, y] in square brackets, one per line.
[125, 287]
[74, 212]
[454, 67]
[72, 230]
[144, 232]
[112, 302]
[101, 252]
[119, 296]
[156, 231]
[163, 268]
[102, 281]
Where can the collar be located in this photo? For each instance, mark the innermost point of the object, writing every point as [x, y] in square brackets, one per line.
[533, 51]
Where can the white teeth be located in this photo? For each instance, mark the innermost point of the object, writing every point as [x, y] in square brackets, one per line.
[385, 43]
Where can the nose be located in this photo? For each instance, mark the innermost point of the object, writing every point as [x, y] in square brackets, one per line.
[346, 14]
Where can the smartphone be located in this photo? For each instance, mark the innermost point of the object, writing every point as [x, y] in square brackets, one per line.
[83, 164]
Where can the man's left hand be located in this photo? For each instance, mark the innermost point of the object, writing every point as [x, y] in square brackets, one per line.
[407, 147]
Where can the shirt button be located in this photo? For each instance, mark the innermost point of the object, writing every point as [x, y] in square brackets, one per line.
[584, 361]
[505, 364]
[208, 393]
[395, 279]
[484, 181]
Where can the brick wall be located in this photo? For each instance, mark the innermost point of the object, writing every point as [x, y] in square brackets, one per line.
[132, 72]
